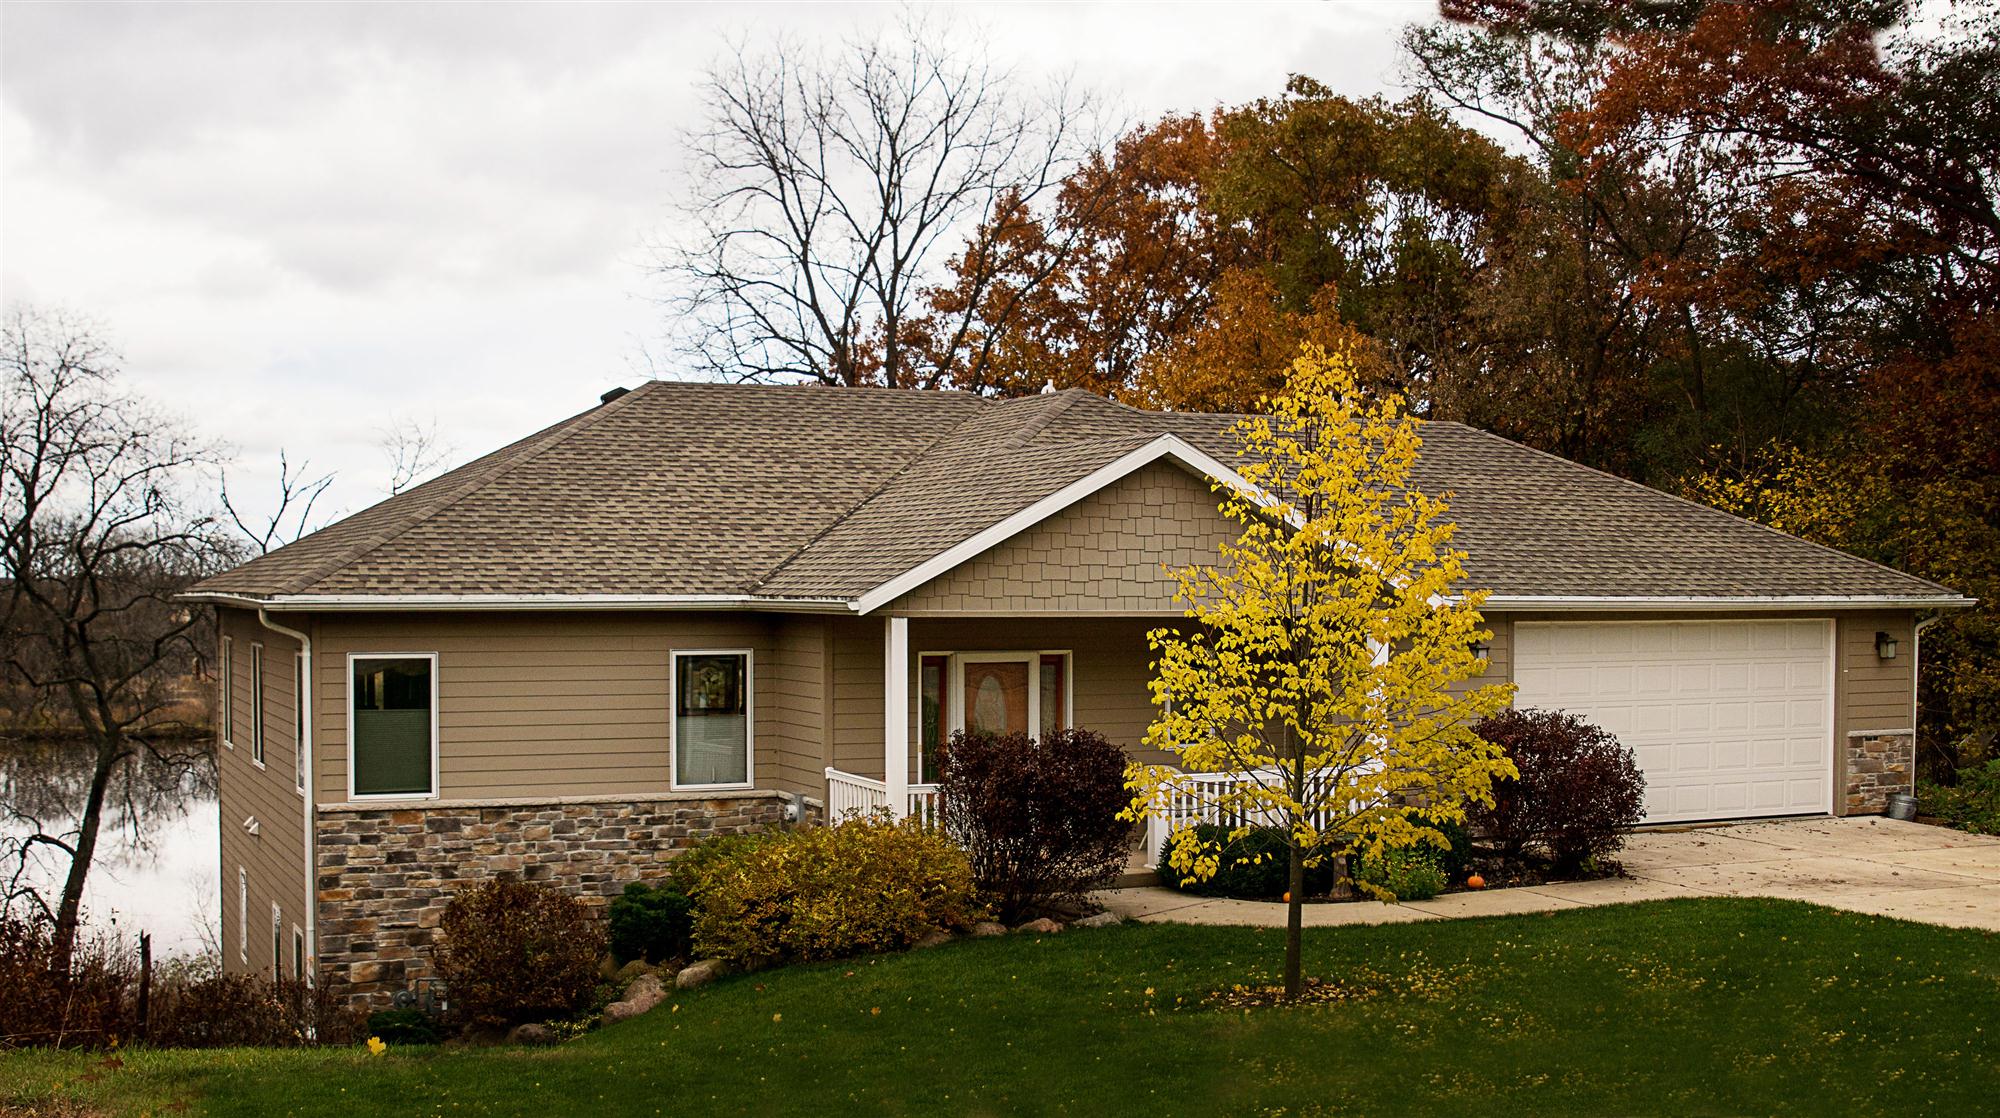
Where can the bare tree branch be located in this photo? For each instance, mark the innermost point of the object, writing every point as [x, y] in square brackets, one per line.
[96, 539]
[415, 449]
[830, 190]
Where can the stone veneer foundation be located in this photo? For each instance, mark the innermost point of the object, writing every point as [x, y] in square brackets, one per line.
[1879, 764]
[386, 873]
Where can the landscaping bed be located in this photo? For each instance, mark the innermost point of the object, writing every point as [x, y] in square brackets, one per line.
[1703, 1006]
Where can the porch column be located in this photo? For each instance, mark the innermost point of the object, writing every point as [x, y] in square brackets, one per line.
[896, 713]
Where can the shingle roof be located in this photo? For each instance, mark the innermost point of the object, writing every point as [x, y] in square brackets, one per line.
[796, 492]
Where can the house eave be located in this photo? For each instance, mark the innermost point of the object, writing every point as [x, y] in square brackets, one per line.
[1566, 603]
[457, 603]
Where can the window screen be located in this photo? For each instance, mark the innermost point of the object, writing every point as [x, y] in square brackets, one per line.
[392, 726]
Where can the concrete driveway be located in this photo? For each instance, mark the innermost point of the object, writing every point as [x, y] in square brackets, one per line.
[1880, 866]
[1864, 864]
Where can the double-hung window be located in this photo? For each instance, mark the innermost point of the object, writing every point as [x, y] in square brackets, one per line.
[299, 720]
[712, 736]
[225, 717]
[257, 704]
[392, 725]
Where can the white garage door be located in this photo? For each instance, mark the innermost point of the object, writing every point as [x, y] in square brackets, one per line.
[1729, 719]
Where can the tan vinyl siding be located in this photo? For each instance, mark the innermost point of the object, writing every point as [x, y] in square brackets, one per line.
[794, 672]
[857, 694]
[1103, 554]
[274, 857]
[1873, 693]
[569, 704]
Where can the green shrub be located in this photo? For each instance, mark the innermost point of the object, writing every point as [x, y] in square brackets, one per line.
[1455, 859]
[513, 951]
[402, 1026]
[650, 924]
[1410, 873]
[1254, 867]
[826, 892]
[1972, 804]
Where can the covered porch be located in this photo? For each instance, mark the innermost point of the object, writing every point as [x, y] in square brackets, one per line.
[939, 675]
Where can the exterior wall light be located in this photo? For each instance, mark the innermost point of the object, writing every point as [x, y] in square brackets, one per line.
[1885, 646]
[1480, 649]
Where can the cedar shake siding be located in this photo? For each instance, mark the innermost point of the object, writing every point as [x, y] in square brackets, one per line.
[272, 859]
[1108, 553]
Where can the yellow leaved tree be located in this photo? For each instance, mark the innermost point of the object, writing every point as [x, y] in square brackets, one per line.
[1327, 675]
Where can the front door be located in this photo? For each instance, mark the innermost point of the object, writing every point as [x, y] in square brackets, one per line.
[1010, 692]
[993, 693]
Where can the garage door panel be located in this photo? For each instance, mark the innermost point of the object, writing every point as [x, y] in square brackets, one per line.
[1726, 718]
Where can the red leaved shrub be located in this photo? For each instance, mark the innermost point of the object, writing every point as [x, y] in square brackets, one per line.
[1578, 790]
[1037, 817]
[512, 951]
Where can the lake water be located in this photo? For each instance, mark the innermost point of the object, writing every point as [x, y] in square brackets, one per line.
[157, 854]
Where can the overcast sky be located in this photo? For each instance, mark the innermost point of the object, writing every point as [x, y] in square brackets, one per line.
[300, 222]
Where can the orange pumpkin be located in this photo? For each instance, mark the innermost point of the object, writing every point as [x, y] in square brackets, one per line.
[1475, 882]
[1288, 897]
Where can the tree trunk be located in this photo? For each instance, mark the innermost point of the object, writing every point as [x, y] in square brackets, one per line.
[69, 912]
[1295, 897]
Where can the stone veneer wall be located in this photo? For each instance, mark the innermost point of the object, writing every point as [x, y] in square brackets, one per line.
[385, 874]
[1879, 763]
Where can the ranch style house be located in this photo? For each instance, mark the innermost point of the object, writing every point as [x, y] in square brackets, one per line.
[705, 608]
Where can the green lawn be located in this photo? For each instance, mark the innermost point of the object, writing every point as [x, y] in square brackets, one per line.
[1682, 1007]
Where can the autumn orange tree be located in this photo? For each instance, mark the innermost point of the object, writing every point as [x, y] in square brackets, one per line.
[1184, 267]
[1800, 204]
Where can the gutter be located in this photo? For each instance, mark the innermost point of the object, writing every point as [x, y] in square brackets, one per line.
[304, 744]
[1719, 603]
[362, 603]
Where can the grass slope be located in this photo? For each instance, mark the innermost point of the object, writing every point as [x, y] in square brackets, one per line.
[1683, 1007]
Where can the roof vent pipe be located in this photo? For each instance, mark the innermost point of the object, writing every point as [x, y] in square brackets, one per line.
[612, 395]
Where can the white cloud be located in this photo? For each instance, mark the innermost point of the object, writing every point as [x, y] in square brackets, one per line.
[300, 221]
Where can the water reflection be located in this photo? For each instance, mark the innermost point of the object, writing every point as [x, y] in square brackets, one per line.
[157, 854]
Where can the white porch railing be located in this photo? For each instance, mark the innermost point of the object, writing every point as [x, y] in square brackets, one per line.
[1200, 798]
[1197, 798]
[852, 794]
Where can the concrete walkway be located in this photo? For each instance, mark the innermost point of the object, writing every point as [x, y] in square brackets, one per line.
[1865, 864]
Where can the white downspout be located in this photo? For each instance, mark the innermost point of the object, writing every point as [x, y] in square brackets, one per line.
[304, 745]
[1916, 679]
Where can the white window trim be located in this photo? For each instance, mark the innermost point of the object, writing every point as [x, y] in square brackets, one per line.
[243, 916]
[257, 703]
[749, 718]
[299, 968]
[277, 942]
[955, 684]
[228, 695]
[385, 797]
[299, 716]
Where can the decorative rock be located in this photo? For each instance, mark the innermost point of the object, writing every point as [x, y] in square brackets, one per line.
[1101, 920]
[1042, 926]
[935, 939]
[700, 974]
[620, 1011]
[646, 991]
[531, 1034]
[640, 997]
[987, 928]
[632, 970]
